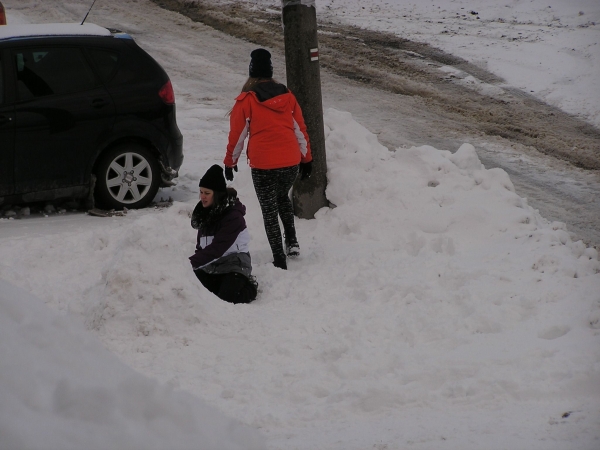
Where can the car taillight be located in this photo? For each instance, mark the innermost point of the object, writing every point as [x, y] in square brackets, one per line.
[166, 93]
[2, 15]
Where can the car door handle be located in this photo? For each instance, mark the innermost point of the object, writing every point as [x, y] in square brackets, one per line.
[99, 102]
[5, 119]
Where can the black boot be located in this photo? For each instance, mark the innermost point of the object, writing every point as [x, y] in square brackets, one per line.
[292, 249]
[280, 262]
[253, 285]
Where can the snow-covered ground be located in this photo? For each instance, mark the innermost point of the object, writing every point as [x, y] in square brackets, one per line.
[432, 308]
[549, 48]
[60, 389]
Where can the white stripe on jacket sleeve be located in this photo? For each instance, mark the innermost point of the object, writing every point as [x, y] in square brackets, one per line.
[301, 139]
[241, 245]
[239, 146]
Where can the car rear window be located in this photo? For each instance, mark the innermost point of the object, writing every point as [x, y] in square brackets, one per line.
[50, 71]
[106, 61]
[133, 66]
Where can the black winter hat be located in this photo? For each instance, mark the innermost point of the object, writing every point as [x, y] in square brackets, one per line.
[214, 179]
[260, 64]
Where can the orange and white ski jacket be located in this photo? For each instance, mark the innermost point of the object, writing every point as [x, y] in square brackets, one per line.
[271, 117]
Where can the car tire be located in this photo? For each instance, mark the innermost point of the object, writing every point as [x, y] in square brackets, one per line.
[128, 176]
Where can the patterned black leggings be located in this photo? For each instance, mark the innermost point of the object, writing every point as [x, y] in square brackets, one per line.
[272, 189]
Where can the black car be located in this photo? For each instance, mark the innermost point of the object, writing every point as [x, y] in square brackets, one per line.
[84, 113]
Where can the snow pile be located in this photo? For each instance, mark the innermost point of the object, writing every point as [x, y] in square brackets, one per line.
[60, 389]
[431, 306]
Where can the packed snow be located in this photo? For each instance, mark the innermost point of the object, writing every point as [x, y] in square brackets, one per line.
[61, 389]
[432, 307]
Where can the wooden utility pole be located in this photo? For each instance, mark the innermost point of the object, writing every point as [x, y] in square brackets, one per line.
[304, 80]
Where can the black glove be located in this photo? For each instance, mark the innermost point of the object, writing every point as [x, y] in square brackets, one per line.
[305, 170]
[229, 172]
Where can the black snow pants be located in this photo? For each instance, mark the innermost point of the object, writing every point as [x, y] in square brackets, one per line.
[232, 287]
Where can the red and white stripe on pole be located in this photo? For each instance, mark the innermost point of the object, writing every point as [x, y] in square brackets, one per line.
[314, 54]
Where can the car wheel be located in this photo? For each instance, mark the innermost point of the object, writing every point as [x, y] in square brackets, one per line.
[127, 176]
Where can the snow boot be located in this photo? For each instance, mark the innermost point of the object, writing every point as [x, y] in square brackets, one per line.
[280, 262]
[253, 287]
[292, 249]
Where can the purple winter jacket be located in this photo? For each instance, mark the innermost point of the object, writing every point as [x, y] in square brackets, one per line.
[223, 246]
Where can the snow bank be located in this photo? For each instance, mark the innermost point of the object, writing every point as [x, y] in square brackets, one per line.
[60, 389]
[431, 306]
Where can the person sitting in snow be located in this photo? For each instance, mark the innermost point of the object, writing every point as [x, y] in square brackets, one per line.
[222, 261]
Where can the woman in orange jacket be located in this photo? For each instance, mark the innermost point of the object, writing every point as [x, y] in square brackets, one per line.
[278, 149]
